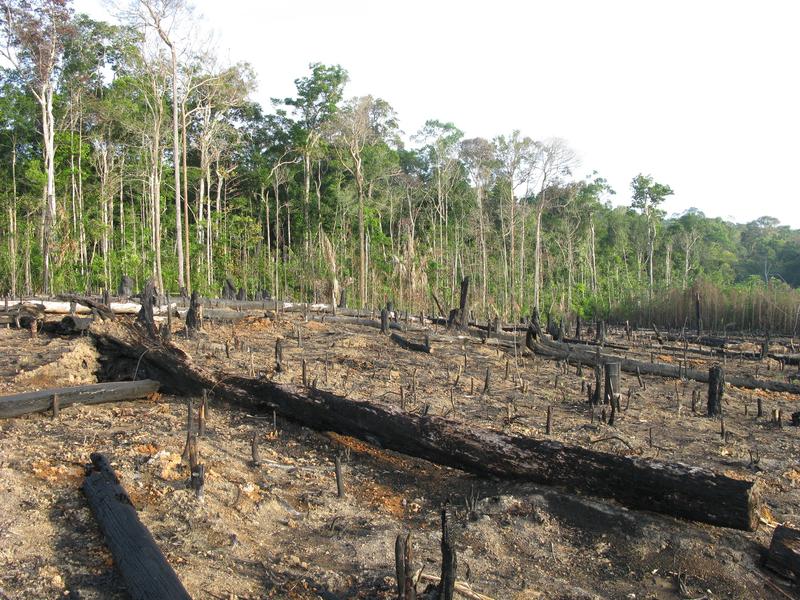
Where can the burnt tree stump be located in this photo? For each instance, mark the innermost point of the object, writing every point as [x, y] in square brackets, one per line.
[193, 320]
[449, 560]
[698, 314]
[612, 384]
[125, 289]
[145, 316]
[228, 290]
[279, 355]
[783, 555]
[716, 388]
[463, 305]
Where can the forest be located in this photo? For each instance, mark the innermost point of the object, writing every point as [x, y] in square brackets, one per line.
[133, 149]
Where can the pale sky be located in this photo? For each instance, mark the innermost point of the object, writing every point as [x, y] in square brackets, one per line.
[704, 94]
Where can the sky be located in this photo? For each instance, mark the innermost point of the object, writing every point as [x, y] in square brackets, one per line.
[703, 95]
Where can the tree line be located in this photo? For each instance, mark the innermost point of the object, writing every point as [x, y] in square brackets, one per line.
[132, 149]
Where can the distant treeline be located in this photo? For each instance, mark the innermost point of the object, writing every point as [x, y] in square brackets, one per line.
[115, 160]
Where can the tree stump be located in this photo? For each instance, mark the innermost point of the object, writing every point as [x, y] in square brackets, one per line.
[783, 555]
[125, 289]
[449, 560]
[463, 306]
[145, 316]
[228, 290]
[193, 321]
[612, 384]
[716, 388]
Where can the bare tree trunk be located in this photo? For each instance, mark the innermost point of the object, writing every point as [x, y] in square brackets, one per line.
[537, 259]
[483, 248]
[12, 218]
[187, 253]
[48, 150]
[593, 254]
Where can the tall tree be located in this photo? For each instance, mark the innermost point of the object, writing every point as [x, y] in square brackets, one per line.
[32, 36]
[478, 156]
[318, 97]
[647, 196]
[163, 17]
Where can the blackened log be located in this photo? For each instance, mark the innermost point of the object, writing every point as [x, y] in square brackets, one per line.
[671, 488]
[147, 574]
[16, 405]
[411, 345]
[575, 354]
[783, 556]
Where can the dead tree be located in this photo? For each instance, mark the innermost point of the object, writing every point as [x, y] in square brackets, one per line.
[144, 568]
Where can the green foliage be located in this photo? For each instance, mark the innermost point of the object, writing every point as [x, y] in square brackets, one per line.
[265, 188]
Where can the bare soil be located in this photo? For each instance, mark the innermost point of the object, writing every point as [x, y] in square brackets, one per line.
[279, 530]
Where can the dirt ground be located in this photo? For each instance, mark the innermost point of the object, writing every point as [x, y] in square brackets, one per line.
[280, 531]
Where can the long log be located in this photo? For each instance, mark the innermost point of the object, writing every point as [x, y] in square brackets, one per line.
[576, 355]
[147, 574]
[63, 308]
[95, 393]
[671, 488]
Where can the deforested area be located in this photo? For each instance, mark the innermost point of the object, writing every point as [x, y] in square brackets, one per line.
[267, 335]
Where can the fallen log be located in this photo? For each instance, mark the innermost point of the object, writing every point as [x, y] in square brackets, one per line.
[95, 393]
[576, 355]
[671, 488]
[411, 345]
[147, 574]
[63, 308]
